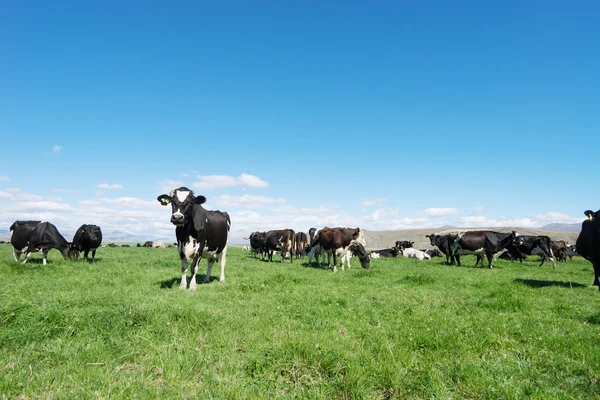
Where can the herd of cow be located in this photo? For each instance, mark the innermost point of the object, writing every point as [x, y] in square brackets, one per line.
[202, 233]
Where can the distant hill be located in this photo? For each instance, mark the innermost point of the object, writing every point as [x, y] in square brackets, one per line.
[557, 226]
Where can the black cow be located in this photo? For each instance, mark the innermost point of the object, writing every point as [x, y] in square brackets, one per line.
[281, 240]
[123, 245]
[200, 233]
[560, 250]
[588, 242]
[30, 236]
[540, 245]
[386, 253]
[257, 240]
[301, 243]
[442, 242]
[433, 252]
[88, 237]
[482, 242]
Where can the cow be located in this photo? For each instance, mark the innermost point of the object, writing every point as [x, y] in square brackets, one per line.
[312, 232]
[442, 242]
[588, 242]
[540, 245]
[301, 243]
[433, 253]
[560, 250]
[282, 240]
[158, 245]
[414, 253]
[88, 237]
[30, 236]
[315, 250]
[482, 242]
[139, 245]
[405, 244]
[200, 233]
[125, 245]
[112, 245]
[257, 240]
[339, 241]
[571, 251]
[385, 253]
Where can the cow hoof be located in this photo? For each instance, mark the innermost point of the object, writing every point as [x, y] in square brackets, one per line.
[182, 286]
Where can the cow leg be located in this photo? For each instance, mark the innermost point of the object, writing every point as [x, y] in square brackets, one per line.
[184, 268]
[222, 260]
[210, 262]
[596, 275]
[93, 255]
[195, 263]
[291, 253]
[27, 257]
[44, 256]
[335, 259]
[457, 258]
[490, 257]
[16, 254]
[85, 254]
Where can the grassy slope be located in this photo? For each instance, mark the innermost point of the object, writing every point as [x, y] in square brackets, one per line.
[122, 328]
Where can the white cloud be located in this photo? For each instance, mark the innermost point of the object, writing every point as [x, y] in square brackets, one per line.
[440, 212]
[4, 178]
[114, 186]
[209, 182]
[57, 149]
[130, 202]
[14, 194]
[373, 202]
[169, 184]
[247, 201]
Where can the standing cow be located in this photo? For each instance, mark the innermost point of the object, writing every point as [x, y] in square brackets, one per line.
[88, 237]
[301, 243]
[588, 242]
[281, 240]
[257, 240]
[30, 236]
[341, 242]
[200, 233]
[483, 242]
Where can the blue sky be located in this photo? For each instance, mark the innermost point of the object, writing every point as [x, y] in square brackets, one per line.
[387, 115]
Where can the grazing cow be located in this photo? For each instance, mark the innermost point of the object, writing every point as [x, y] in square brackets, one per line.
[88, 237]
[588, 242]
[443, 242]
[200, 233]
[414, 253]
[112, 245]
[257, 241]
[139, 245]
[339, 240]
[482, 242]
[571, 251]
[282, 240]
[123, 245]
[30, 236]
[148, 244]
[158, 245]
[540, 245]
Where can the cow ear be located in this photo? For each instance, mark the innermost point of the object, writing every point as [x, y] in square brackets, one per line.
[589, 214]
[164, 199]
[199, 200]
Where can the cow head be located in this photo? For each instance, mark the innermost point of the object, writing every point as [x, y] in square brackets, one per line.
[592, 215]
[358, 250]
[182, 201]
[72, 252]
[516, 239]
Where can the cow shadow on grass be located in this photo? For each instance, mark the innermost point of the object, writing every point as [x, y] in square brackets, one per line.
[174, 282]
[535, 283]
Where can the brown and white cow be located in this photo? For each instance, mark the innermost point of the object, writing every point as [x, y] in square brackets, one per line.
[342, 242]
[280, 240]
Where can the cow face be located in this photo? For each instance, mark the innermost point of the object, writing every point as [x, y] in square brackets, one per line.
[182, 201]
[517, 240]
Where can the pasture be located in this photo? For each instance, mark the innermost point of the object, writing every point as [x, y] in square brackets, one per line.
[121, 328]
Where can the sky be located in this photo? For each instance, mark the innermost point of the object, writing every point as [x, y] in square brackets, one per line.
[383, 115]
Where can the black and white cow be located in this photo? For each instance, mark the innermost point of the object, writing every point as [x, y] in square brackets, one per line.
[301, 244]
[433, 253]
[405, 244]
[88, 237]
[482, 242]
[588, 242]
[30, 236]
[386, 253]
[540, 245]
[200, 233]
[571, 251]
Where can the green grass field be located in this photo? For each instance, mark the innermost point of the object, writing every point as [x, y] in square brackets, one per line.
[121, 328]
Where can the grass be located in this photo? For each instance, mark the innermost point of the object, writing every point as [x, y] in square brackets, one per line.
[121, 328]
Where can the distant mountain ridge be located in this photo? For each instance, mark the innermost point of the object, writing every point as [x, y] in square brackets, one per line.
[558, 226]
